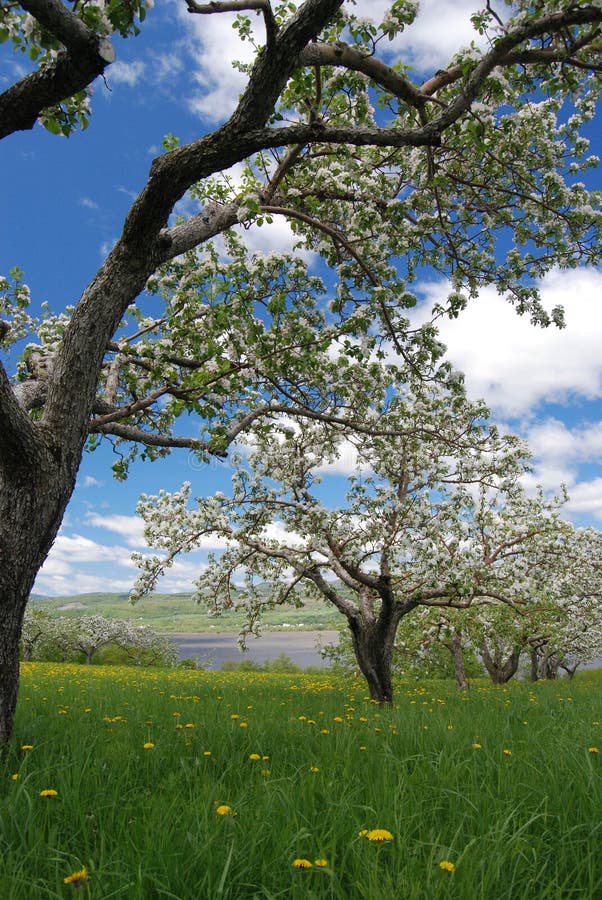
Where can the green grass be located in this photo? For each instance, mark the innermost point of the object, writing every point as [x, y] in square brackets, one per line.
[525, 824]
[173, 613]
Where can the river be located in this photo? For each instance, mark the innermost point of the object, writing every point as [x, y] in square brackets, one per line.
[212, 649]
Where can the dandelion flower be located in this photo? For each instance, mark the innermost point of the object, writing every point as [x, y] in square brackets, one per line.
[301, 864]
[16, 776]
[206, 752]
[265, 772]
[27, 747]
[378, 834]
[313, 769]
[507, 752]
[189, 725]
[149, 745]
[321, 863]
[49, 792]
[224, 810]
[593, 750]
[446, 866]
[477, 746]
[76, 877]
[254, 756]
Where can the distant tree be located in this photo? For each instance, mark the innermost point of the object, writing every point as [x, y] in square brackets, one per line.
[435, 517]
[378, 174]
[46, 636]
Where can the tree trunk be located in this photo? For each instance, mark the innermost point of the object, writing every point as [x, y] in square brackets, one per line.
[500, 670]
[32, 502]
[534, 672]
[454, 645]
[373, 646]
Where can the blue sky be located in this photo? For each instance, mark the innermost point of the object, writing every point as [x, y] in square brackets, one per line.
[65, 201]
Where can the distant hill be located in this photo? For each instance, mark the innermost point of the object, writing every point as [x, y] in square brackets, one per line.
[171, 613]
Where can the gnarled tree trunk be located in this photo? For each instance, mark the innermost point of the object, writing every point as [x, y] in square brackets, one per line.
[373, 644]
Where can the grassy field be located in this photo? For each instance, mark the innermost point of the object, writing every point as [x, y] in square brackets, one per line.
[200, 785]
[173, 613]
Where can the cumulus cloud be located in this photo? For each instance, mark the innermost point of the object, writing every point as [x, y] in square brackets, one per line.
[516, 366]
[439, 30]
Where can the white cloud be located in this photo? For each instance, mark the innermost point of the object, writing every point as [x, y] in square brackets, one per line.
[90, 481]
[214, 45]
[131, 528]
[516, 366]
[79, 549]
[88, 203]
[126, 73]
[439, 30]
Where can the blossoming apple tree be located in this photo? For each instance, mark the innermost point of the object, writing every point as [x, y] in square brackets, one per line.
[380, 175]
[435, 516]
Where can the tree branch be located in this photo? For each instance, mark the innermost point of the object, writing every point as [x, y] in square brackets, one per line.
[341, 54]
[19, 443]
[218, 6]
[86, 56]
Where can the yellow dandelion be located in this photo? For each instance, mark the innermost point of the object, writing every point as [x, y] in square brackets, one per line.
[243, 724]
[593, 750]
[76, 877]
[149, 745]
[313, 769]
[450, 727]
[206, 752]
[254, 756]
[301, 864]
[446, 866]
[189, 725]
[235, 716]
[224, 810]
[265, 772]
[321, 863]
[337, 719]
[16, 776]
[27, 747]
[477, 746]
[377, 834]
[507, 752]
[49, 792]
[324, 731]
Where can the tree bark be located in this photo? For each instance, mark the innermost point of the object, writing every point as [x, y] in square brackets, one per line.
[454, 645]
[373, 646]
[30, 516]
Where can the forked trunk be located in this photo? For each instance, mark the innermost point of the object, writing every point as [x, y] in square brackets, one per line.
[500, 670]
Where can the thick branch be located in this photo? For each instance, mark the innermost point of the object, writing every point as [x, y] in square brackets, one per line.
[341, 54]
[86, 56]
